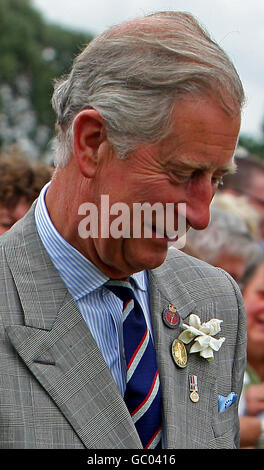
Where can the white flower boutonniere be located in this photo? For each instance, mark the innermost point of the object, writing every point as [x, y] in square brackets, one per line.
[204, 343]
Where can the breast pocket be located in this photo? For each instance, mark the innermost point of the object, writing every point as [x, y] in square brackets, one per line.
[225, 421]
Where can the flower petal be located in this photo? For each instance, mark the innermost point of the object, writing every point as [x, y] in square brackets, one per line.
[195, 321]
[207, 353]
[204, 341]
[212, 327]
[186, 336]
[196, 347]
[193, 330]
[216, 344]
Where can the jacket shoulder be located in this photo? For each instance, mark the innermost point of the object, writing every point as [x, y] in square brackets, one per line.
[22, 231]
[200, 278]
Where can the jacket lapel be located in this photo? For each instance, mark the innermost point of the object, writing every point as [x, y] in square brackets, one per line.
[59, 350]
[179, 411]
[172, 379]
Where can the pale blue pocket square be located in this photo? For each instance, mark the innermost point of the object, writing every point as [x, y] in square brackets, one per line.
[226, 402]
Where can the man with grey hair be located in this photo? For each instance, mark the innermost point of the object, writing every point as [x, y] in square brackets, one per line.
[91, 319]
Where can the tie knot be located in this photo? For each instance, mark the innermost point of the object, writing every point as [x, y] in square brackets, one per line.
[121, 288]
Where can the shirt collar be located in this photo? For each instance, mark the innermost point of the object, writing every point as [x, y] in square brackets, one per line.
[79, 274]
[141, 280]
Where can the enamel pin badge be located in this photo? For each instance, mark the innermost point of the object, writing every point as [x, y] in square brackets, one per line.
[171, 317]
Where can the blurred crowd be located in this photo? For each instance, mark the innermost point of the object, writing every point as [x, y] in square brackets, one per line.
[233, 241]
[21, 181]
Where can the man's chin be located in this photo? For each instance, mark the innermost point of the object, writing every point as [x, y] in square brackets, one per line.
[134, 256]
[149, 254]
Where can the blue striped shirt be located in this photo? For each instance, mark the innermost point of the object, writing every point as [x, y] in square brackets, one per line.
[100, 308]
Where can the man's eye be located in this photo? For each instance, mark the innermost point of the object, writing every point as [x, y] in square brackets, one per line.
[179, 178]
[217, 180]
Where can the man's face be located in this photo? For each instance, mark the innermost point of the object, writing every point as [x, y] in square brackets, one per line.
[185, 168]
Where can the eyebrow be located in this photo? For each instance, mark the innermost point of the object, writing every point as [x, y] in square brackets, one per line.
[192, 165]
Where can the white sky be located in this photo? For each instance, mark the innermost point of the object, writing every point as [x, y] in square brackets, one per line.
[237, 25]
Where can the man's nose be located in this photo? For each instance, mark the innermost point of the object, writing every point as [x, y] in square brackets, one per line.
[198, 206]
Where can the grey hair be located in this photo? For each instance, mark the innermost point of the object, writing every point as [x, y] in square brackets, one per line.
[134, 73]
[225, 234]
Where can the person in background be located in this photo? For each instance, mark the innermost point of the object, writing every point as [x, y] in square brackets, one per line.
[248, 181]
[90, 320]
[240, 207]
[251, 407]
[21, 181]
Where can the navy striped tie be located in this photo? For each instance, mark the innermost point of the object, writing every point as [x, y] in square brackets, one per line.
[143, 392]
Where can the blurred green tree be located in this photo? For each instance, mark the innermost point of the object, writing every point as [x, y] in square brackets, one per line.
[33, 53]
[252, 145]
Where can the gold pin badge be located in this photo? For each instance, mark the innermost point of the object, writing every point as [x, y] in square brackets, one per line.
[179, 353]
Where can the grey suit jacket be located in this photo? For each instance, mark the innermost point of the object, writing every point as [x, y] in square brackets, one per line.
[56, 390]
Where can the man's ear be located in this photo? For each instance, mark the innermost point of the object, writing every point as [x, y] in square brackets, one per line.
[88, 134]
